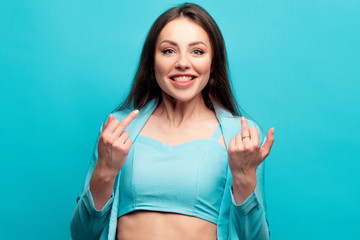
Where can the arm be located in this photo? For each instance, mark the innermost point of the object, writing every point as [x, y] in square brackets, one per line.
[87, 222]
[243, 211]
[92, 211]
[248, 219]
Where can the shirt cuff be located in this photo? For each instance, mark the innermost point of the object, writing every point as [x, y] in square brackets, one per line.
[89, 204]
[244, 208]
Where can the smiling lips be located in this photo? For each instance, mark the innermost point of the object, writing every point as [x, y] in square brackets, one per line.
[182, 80]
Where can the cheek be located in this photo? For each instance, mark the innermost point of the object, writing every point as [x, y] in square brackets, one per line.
[203, 66]
[161, 70]
[161, 67]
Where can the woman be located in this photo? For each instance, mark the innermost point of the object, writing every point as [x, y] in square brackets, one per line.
[186, 167]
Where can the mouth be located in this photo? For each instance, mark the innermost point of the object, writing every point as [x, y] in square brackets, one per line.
[182, 78]
[182, 81]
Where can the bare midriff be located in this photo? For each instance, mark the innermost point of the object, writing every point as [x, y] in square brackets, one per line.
[153, 225]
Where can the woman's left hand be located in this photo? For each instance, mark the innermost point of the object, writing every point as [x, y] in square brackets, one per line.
[246, 154]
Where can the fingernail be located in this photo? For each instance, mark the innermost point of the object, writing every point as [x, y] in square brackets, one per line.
[136, 111]
[242, 118]
[273, 130]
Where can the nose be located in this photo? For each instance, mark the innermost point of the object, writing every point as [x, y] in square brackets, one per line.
[182, 63]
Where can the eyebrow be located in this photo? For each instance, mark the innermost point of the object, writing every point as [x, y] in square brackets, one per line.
[191, 44]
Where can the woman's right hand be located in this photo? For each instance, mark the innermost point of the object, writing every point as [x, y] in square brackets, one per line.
[114, 145]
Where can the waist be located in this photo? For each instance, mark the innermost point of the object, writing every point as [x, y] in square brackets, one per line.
[163, 225]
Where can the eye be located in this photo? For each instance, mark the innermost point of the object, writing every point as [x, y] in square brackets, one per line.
[198, 52]
[168, 51]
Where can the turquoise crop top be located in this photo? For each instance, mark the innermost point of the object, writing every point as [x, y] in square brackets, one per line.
[188, 178]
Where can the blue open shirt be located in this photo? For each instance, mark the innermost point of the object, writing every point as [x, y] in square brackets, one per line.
[245, 221]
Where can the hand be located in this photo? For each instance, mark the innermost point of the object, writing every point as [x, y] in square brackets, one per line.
[245, 152]
[114, 145]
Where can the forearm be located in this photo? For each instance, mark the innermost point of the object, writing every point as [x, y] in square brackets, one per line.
[101, 187]
[92, 211]
[87, 222]
[248, 215]
[243, 186]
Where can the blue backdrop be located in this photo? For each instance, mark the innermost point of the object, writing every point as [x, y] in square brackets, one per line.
[64, 65]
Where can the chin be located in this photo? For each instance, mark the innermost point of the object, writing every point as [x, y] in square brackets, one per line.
[182, 97]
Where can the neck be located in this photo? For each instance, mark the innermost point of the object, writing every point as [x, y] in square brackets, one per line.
[178, 113]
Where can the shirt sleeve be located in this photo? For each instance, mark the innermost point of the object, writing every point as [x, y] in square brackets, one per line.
[248, 220]
[87, 222]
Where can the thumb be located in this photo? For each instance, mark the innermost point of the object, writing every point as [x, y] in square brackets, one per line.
[110, 118]
[266, 147]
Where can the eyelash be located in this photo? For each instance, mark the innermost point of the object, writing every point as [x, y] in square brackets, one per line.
[201, 52]
[166, 51]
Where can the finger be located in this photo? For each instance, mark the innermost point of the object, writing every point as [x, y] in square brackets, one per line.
[244, 128]
[254, 135]
[112, 125]
[265, 149]
[108, 122]
[232, 143]
[123, 137]
[238, 142]
[111, 117]
[128, 143]
[116, 127]
[118, 131]
[126, 121]
[122, 143]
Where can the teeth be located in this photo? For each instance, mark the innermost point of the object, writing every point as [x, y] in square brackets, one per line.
[182, 79]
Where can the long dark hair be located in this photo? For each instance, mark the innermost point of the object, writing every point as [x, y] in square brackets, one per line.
[217, 91]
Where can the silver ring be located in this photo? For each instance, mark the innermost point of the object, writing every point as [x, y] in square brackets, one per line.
[244, 137]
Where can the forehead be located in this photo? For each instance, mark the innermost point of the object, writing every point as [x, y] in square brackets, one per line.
[183, 30]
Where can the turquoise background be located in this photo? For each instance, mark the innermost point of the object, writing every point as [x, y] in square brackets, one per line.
[295, 65]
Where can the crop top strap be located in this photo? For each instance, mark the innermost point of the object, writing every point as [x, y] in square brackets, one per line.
[217, 133]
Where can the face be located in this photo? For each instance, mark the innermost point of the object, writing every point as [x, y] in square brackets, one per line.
[183, 59]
